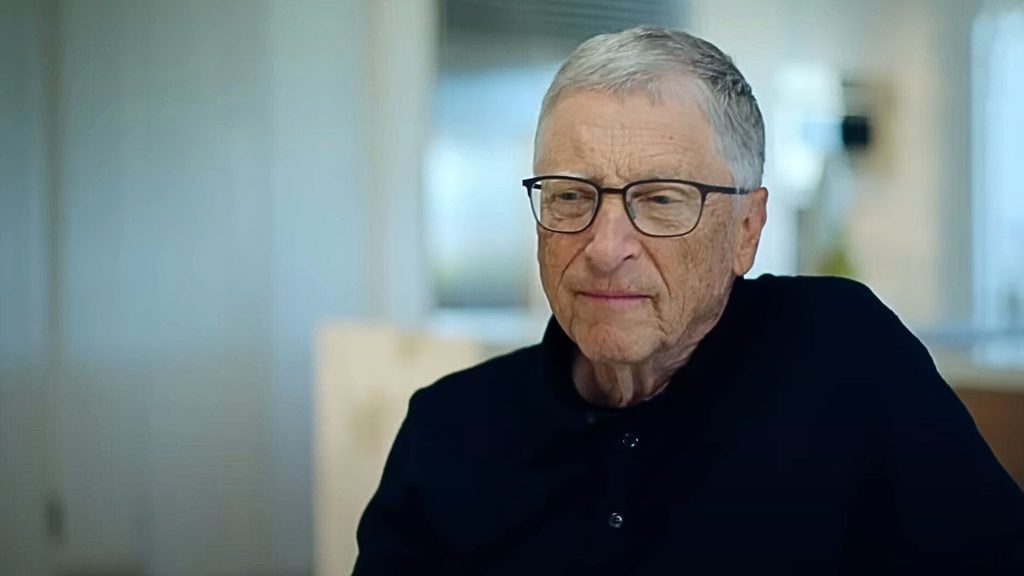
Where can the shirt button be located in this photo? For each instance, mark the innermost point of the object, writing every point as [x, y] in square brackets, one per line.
[630, 440]
[615, 520]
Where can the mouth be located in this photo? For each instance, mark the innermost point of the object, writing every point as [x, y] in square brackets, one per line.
[613, 298]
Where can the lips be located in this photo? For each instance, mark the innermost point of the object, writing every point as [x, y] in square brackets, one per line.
[613, 297]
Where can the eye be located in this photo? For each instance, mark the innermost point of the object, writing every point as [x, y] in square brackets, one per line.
[660, 199]
[568, 195]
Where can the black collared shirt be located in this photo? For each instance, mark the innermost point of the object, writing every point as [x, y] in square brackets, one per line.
[808, 434]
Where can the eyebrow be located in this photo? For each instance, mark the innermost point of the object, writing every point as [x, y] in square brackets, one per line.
[675, 175]
[571, 174]
[656, 175]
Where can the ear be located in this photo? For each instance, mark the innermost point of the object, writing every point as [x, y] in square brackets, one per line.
[753, 216]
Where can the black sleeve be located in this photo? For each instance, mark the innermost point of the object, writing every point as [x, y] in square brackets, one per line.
[393, 535]
[953, 509]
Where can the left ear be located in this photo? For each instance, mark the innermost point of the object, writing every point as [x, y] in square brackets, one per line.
[754, 214]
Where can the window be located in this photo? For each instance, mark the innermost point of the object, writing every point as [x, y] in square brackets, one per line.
[998, 219]
[496, 60]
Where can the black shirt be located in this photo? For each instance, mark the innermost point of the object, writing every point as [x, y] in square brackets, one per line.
[808, 434]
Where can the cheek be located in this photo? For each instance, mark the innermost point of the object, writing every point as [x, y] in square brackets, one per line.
[714, 238]
[685, 274]
[553, 256]
[695, 272]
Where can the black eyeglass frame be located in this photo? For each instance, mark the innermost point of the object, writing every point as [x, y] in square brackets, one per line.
[704, 190]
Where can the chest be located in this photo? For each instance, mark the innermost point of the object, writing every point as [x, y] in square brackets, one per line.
[750, 477]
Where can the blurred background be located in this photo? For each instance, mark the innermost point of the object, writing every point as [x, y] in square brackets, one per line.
[192, 192]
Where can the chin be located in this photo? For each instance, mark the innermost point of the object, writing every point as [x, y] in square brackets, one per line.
[607, 344]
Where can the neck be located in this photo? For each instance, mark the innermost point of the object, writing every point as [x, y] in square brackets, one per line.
[621, 385]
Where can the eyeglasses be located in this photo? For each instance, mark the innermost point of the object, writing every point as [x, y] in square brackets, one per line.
[661, 208]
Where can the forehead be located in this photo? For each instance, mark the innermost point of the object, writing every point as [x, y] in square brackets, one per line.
[628, 137]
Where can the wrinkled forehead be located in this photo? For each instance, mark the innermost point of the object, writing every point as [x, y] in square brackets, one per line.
[629, 136]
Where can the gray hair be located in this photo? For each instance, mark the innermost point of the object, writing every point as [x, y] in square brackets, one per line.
[641, 58]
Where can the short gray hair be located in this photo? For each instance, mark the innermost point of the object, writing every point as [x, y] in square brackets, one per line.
[641, 58]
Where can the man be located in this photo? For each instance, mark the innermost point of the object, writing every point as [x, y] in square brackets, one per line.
[678, 418]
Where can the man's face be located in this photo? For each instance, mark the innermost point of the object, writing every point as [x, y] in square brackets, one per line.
[624, 297]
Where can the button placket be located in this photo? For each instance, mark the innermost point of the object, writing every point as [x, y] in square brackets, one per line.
[622, 461]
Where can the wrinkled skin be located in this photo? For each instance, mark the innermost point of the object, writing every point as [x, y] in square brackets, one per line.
[637, 306]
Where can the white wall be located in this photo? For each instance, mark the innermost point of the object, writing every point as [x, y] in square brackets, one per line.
[24, 334]
[209, 175]
[321, 116]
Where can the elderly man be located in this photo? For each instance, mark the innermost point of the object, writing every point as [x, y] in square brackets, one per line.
[676, 417]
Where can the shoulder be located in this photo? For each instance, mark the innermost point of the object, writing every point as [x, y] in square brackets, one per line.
[838, 309]
[815, 293]
[837, 322]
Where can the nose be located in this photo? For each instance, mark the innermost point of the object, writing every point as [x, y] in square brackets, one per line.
[613, 239]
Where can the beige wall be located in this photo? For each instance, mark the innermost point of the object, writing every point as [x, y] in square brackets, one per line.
[365, 375]
[909, 232]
